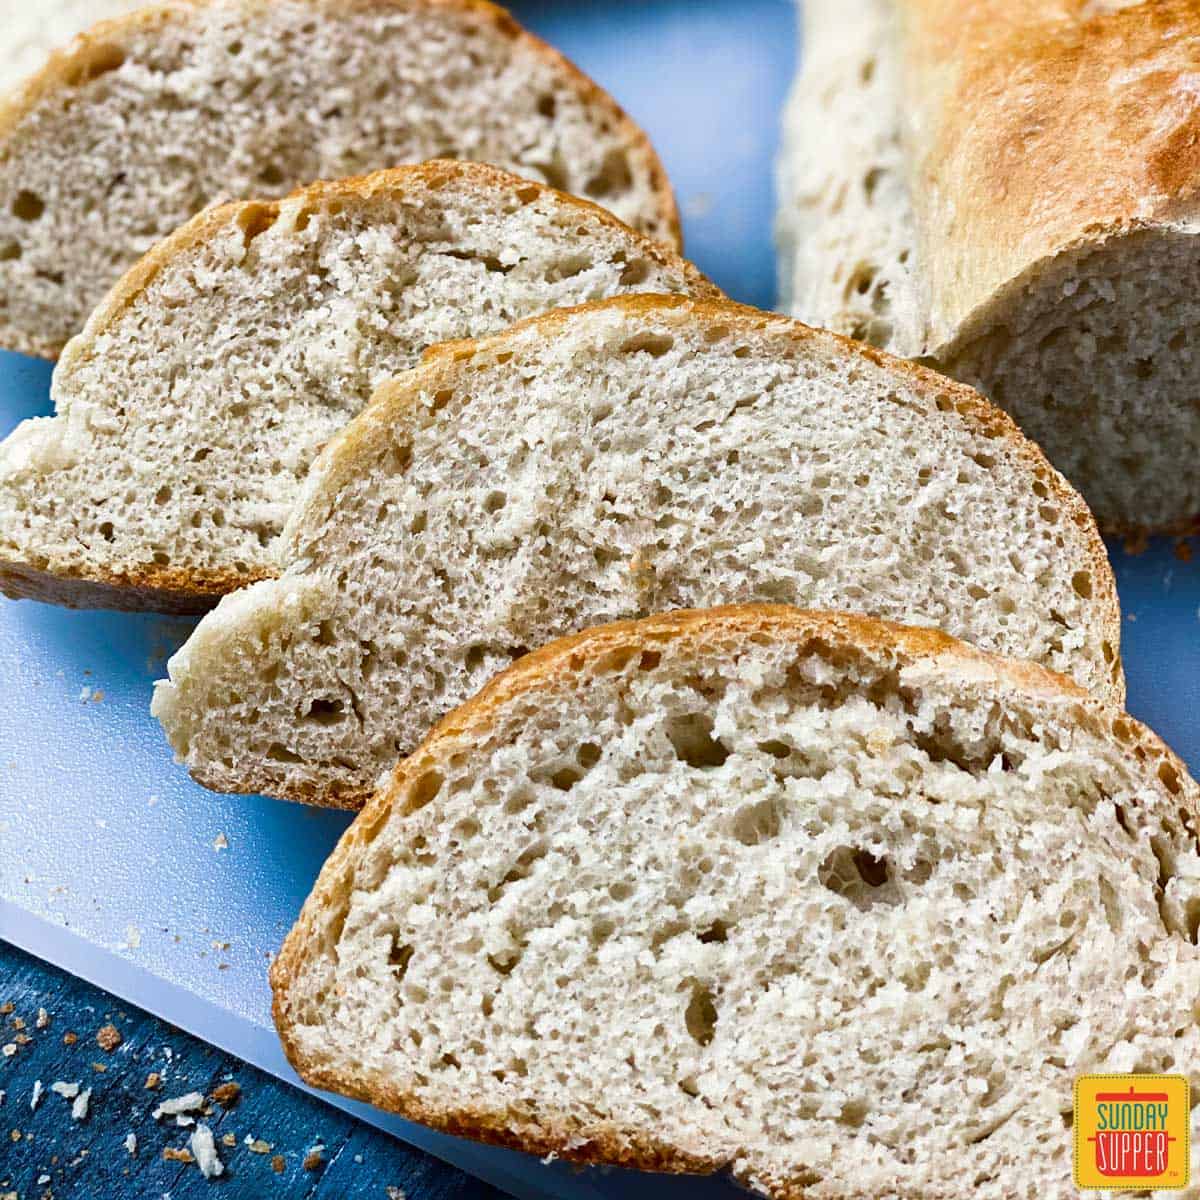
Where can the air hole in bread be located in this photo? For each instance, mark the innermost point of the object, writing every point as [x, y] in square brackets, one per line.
[614, 176]
[398, 958]
[654, 344]
[325, 712]
[253, 220]
[566, 778]
[871, 182]
[776, 749]
[700, 1016]
[28, 206]
[547, 105]
[588, 755]
[10, 251]
[1169, 777]
[424, 789]
[281, 754]
[718, 931]
[857, 876]
[99, 60]
[692, 738]
[163, 495]
[494, 502]
[272, 175]
[504, 961]
[754, 824]
[325, 634]
[636, 272]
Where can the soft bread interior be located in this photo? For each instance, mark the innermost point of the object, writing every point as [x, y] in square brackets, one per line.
[191, 409]
[153, 116]
[624, 459]
[844, 908]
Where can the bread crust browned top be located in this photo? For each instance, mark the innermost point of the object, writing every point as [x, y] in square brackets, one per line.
[703, 632]
[1039, 127]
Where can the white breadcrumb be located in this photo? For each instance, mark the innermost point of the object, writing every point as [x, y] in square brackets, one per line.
[36, 1098]
[131, 1143]
[9, 1049]
[68, 1091]
[79, 1109]
[191, 1102]
[43, 1019]
[220, 842]
[205, 1151]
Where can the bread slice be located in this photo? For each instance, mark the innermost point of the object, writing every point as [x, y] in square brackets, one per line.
[148, 118]
[193, 405]
[1008, 192]
[625, 458]
[839, 906]
[33, 31]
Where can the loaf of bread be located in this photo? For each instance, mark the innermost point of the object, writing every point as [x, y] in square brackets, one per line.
[32, 31]
[840, 907]
[148, 118]
[191, 408]
[1006, 188]
[622, 459]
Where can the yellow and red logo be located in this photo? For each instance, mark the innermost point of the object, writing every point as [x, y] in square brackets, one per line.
[1132, 1131]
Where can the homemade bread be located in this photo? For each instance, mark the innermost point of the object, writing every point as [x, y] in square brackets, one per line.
[191, 408]
[32, 31]
[840, 907]
[148, 118]
[1006, 188]
[626, 458]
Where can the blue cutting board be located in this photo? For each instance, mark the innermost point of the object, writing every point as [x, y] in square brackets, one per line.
[111, 860]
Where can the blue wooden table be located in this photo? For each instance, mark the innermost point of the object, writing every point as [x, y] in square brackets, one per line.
[45, 1154]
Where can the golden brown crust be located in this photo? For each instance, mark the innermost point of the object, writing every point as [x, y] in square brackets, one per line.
[473, 722]
[151, 589]
[1046, 126]
[441, 365]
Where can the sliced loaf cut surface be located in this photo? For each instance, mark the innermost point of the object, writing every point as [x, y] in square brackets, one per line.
[621, 459]
[191, 408]
[842, 907]
[146, 119]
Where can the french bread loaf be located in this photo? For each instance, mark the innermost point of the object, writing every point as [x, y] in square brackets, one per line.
[190, 409]
[1006, 189]
[839, 907]
[146, 119]
[629, 457]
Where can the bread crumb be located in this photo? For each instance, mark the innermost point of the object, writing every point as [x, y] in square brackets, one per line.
[227, 1094]
[70, 1038]
[173, 1155]
[36, 1098]
[17, 1023]
[190, 1102]
[131, 1143]
[8, 1049]
[277, 1164]
[258, 1146]
[313, 1160]
[108, 1038]
[395, 1193]
[229, 1139]
[6, 1008]
[79, 1110]
[85, 694]
[43, 1019]
[101, 1067]
[153, 1081]
[220, 842]
[68, 1091]
[207, 1158]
